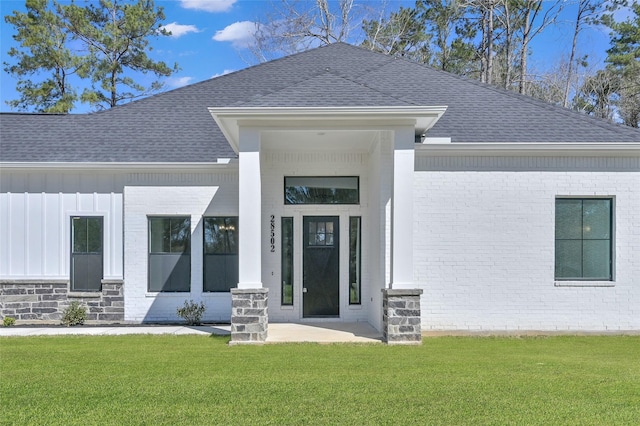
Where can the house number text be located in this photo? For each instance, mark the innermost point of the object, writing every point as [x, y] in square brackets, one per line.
[273, 234]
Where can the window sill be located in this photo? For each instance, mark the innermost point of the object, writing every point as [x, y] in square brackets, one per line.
[181, 294]
[286, 307]
[84, 294]
[585, 283]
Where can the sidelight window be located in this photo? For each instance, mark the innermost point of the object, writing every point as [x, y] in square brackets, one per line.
[354, 259]
[287, 260]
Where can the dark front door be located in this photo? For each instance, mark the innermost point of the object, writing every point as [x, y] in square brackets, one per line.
[321, 265]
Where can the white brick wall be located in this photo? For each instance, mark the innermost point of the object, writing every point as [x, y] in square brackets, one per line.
[484, 250]
[194, 201]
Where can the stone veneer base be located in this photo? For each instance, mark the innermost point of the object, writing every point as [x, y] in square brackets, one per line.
[401, 316]
[249, 316]
[46, 300]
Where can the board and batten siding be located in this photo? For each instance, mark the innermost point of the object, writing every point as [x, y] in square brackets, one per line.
[35, 221]
[485, 243]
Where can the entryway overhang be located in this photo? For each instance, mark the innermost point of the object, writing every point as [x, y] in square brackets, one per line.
[230, 120]
[253, 131]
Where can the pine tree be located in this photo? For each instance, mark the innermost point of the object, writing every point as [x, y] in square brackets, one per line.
[44, 62]
[117, 35]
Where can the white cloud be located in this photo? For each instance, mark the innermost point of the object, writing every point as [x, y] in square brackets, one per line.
[222, 73]
[178, 30]
[175, 82]
[208, 5]
[241, 34]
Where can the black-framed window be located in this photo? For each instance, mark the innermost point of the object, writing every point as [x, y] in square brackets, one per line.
[86, 253]
[583, 239]
[287, 260]
[169, 254]
[321, 190]
[355, 242]
[220, 272]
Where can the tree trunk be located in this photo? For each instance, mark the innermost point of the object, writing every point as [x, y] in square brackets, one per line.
[483, 48]
[507, 46]
[522, 89]
[490, 42]
[567, 87]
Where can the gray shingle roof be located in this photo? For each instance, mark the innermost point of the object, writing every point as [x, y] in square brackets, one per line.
[175, 126]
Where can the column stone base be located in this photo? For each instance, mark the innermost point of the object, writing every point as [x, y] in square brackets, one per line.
[401, 316]
[249, 317]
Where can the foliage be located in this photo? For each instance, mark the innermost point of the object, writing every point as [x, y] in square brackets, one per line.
[624, 62]
[8, 321]
[452, 35]
[74, 314]
[591, 380]
[401, 34]
[117, 36]
[191, 312]
[105, 42]
[595, 96]
[44, 50]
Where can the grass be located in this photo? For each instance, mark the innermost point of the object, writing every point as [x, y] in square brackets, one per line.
[201, 380]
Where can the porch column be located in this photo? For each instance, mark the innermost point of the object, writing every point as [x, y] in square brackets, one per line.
[249, 317]
[401, 302]
[402, 209]
[249, 206]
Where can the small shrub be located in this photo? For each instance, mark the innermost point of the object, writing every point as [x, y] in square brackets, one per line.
[75, 314]
[191, 312]
[8, 321]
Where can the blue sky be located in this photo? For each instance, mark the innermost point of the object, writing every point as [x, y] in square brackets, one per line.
[210, 38]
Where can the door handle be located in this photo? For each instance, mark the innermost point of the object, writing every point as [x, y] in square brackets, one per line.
[304, 289]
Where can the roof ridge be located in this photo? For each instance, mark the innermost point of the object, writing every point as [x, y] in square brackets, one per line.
[391, 95]
[389, 59]
[335, 73]
[261, 96]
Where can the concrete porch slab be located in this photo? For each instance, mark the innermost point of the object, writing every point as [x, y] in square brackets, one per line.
[323, 332]
[319, 332]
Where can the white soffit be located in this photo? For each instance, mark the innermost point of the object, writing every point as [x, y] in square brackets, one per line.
[230, 120]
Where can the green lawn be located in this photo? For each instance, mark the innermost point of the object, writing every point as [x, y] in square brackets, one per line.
[184, 380]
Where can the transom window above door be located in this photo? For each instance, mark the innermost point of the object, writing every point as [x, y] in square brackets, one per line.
[321, 190]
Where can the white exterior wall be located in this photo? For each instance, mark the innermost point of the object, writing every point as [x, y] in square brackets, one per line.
[35, 221]
[484, 244]
[193, 195]
[275, 166]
